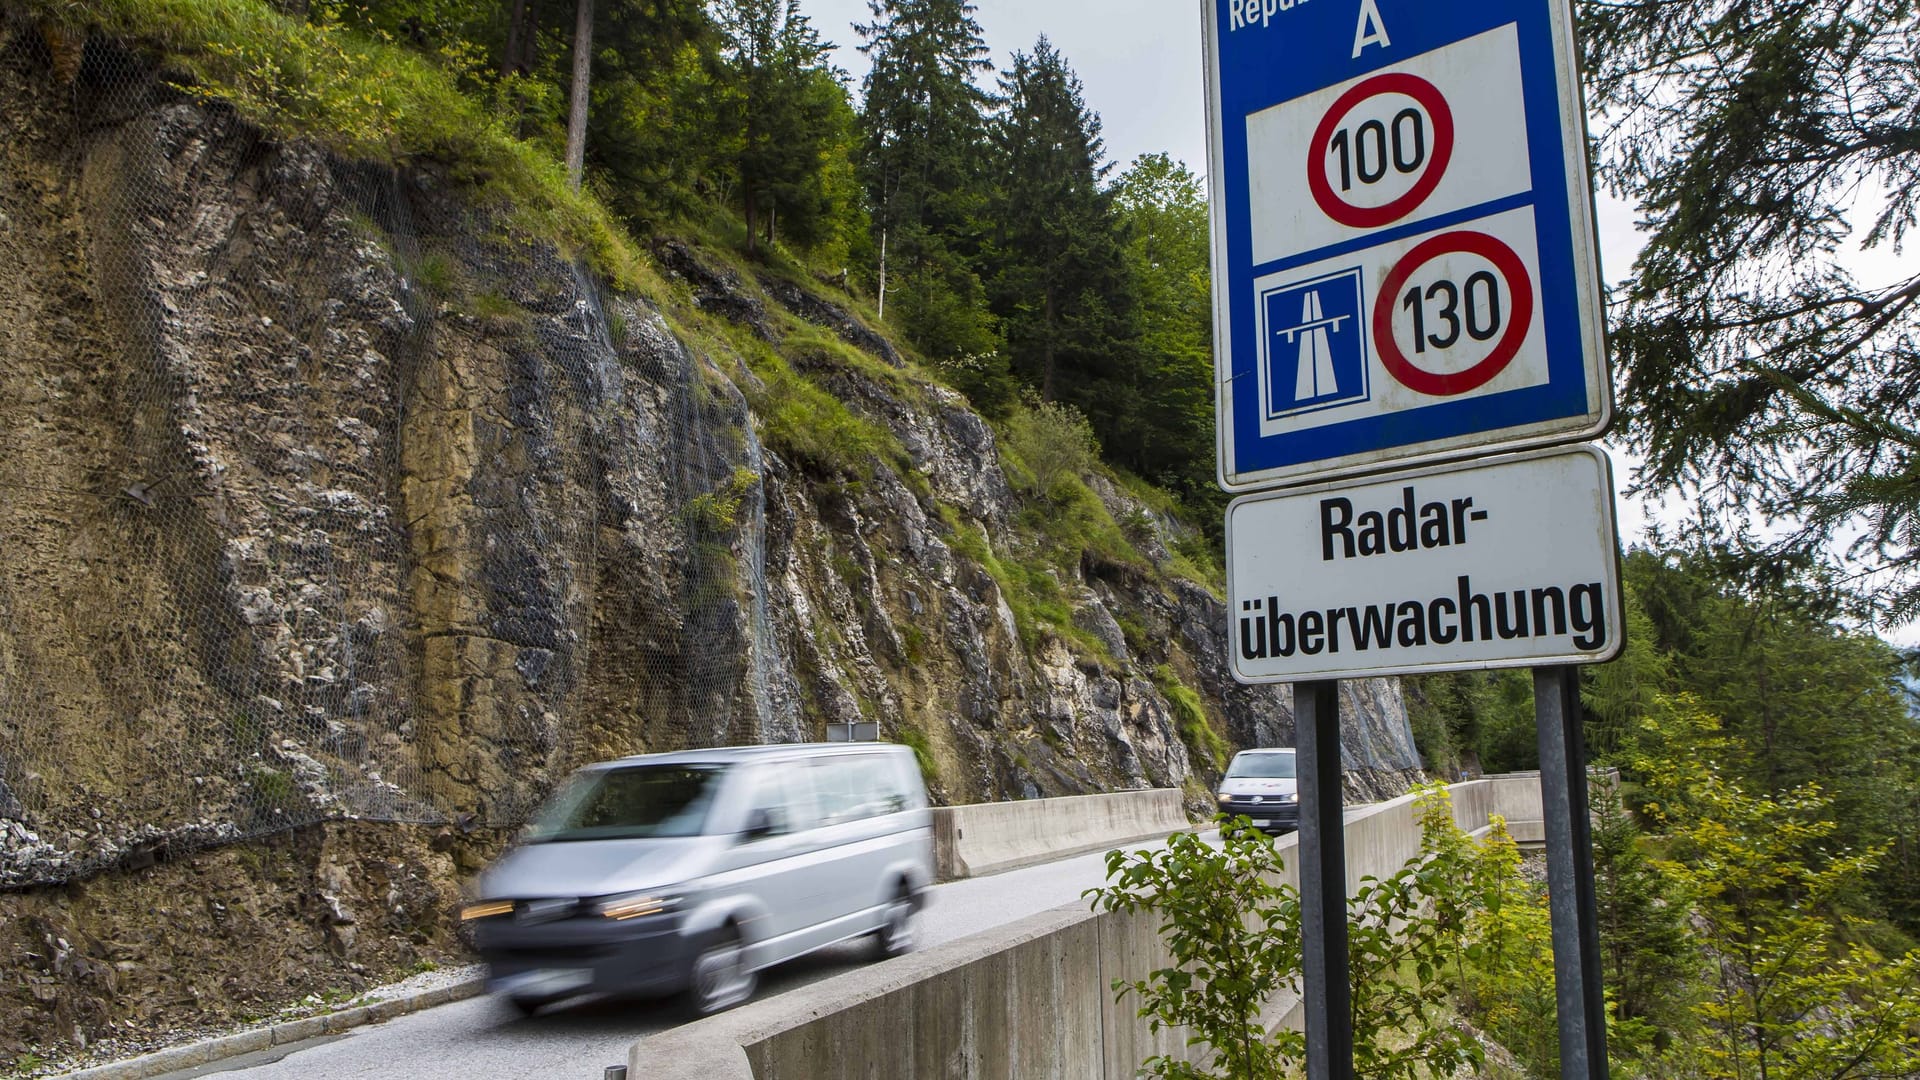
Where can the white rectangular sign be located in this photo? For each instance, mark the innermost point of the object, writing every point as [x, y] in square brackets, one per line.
[1505, 563]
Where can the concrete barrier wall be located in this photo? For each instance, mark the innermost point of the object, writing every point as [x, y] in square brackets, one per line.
[985, 838]
[1031, 999]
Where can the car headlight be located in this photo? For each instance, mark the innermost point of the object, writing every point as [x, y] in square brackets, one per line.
[1225, 799]
[635, 905]
[486, 909]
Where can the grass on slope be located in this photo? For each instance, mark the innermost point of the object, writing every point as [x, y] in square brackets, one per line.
[362, 98]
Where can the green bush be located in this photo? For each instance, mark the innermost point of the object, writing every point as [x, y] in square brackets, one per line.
[1047, 443]
[1235, 935]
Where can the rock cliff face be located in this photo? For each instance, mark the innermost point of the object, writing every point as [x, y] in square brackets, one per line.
[329, 493]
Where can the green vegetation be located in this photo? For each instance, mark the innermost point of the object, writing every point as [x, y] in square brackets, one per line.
[718, 511]
[1235, 935]
[916, 740]
[321, 79]
[1755, 871]
[1203, 742]
[1768, 372]
[272, 790]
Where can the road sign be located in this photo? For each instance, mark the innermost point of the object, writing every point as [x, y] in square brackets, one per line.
[1507, 563]
[1404, 266]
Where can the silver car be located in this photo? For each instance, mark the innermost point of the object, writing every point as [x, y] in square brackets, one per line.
[694, 871]
[1260, 784]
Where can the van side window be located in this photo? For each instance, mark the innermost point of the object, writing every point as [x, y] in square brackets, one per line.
[856, 786]
[786, 795]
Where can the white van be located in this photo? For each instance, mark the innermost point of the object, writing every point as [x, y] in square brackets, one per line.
[694, 871]
[1260, 785]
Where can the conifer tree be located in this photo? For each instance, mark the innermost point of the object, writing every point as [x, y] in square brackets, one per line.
[786, 96]
[923, 137]
[1163, 211]
[1761, 140]
[1061, 287]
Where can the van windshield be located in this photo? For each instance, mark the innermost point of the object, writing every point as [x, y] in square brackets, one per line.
[1275, 766]
[629, 802]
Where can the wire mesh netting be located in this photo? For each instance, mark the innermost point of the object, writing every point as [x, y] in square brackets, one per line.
[324, 497]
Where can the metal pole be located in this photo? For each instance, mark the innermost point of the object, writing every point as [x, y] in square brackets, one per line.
[1576, 926]
[1323, 882]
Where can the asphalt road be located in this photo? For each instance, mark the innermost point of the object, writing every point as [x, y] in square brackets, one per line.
[483, 1037]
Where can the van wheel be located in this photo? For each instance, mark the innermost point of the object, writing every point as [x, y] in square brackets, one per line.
[526, 1005]
[721, 977]
[895, 936]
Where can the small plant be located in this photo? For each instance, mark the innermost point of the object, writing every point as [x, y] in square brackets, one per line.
[492, 304]
[436, 273]
[1234, 934]
[916, 740]
[717, 512]
[1052, 443]
[272, 789]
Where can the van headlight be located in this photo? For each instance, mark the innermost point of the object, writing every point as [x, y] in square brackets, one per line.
[486, 909]
[1225, 798]
[635, 905]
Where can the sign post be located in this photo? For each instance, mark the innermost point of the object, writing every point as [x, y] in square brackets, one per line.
[1404, 279]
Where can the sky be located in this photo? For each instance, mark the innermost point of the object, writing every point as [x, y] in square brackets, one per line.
[1141, 64]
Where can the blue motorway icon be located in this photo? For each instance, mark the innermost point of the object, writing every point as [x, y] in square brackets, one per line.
[1315, 352]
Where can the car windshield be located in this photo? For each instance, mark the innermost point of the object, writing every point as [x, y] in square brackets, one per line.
[1277, 766]
[628, 802]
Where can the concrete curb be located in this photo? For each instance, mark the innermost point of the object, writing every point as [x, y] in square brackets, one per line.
[207, 1051]
[975, 870]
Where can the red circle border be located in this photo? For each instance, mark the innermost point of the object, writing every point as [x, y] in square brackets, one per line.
[1519, 288]
[1369, 217]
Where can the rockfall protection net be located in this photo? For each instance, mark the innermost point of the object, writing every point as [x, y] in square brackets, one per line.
[322, 496]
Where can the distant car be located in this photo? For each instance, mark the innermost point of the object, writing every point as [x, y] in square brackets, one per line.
[694, 871]
[1260, 784]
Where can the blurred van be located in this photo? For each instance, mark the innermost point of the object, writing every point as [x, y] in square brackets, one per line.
[694, 871]
[1260, 784]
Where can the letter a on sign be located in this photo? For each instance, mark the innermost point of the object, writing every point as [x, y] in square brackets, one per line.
[1368, 29]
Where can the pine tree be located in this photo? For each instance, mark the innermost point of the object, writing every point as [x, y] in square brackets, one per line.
[1061, 287]
[1755, 136]
[1648, 958]
[786, 96]
[923, 139]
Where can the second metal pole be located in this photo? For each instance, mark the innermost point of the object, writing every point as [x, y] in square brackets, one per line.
[1570, 899]
[1323, 881]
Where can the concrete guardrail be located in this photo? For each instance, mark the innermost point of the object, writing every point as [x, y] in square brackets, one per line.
[985, 838]
[1029, 999]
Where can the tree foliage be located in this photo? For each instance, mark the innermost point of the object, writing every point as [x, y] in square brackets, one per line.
[1791, 991]
[1758, 139]
[1060, 287]
[1164, 225]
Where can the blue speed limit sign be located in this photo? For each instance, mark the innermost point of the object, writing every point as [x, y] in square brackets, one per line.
[1404, 266]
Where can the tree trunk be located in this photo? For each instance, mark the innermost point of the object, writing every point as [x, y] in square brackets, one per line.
[582, 74]
[750, 208]
[511, 62]
[883, 272]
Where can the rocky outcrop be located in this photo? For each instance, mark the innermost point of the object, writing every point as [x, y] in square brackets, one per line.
[329, 496]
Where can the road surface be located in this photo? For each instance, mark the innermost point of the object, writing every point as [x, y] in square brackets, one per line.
[484, 1037]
